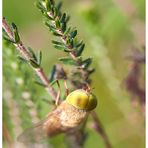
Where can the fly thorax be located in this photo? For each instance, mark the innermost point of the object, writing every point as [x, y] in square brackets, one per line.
[72, 117]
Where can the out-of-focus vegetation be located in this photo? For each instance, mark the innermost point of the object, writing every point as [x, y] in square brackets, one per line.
[110, 30]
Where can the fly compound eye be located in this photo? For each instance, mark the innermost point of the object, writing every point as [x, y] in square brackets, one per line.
[92, 103]
[82, 99]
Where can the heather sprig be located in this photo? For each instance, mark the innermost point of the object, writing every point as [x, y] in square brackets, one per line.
[28, 56]
[66, 36]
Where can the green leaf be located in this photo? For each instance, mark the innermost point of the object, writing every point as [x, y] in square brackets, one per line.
[70, 42]
[68, 50]
[40, 83]
[53, 82]
[52, 2]
[56, 34]
[55, 11]
[58, 25]
[90, 71]
[39, 59]
[86, 63]
[52, 28]
[68, 60]
[73, 34]
[80, 50]
[57, 43]
[34, 64]
[40, 6]
[48, 5]
[63, 17]
[32, 53]
[63, 26]
[67, 31]
[22, 59]
[15, 32]
[78, 44]
[52, 75]
[63, 48]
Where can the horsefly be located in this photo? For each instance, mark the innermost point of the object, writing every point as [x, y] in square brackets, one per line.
[68, 115]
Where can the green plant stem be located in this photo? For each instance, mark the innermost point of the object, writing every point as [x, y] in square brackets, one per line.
[27, 56]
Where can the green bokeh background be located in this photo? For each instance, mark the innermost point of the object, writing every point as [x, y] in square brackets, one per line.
[106, 29]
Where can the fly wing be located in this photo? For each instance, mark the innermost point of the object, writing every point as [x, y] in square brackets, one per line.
[36, 133]
[50, 126]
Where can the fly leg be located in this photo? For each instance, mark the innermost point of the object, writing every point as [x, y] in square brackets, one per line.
[58, 94]
[66, 88]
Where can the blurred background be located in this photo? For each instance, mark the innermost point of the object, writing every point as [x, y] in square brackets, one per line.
[112, 30]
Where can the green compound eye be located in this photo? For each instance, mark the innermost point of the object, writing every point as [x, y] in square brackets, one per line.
[82, 99]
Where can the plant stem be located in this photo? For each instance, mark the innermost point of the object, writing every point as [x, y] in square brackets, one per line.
[6, 136]
[100, 129]
[27, 56]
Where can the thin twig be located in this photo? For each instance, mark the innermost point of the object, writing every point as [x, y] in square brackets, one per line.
[26, 55]
[6, 136]
[100, 129]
